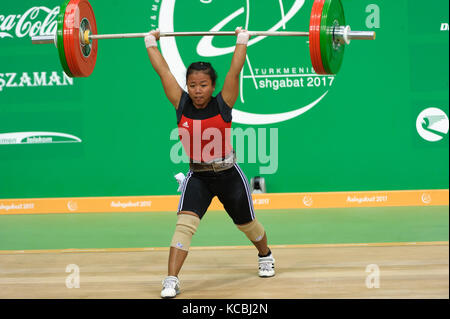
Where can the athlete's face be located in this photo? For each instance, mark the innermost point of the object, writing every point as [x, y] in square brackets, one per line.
[200, 88]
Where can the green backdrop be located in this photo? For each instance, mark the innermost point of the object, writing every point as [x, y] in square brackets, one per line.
[361, 135]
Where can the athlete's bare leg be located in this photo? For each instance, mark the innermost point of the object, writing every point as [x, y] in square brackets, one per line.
[261, 245]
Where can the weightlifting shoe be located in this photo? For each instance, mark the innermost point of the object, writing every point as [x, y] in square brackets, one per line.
[171, 287]
[266, 266]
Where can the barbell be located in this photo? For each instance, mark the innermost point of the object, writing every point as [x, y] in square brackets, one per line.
[76, 36]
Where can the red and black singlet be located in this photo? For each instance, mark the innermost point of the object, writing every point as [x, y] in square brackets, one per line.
[205, 133]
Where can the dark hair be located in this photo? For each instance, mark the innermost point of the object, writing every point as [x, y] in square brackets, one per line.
[205, 67]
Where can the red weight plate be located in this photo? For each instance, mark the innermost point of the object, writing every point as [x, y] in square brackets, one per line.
[68, 36]
[312, 26]
[311, 33]
[319, 68]
[314, 36]
[86, 64]
[78, 11]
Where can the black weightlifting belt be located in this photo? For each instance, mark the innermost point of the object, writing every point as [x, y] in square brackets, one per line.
[216, 165]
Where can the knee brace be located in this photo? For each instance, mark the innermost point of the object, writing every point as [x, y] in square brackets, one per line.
[253, 230]
[184, 230]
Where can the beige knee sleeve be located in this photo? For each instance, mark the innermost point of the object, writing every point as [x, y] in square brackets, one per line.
[253, 230]
[185, 229]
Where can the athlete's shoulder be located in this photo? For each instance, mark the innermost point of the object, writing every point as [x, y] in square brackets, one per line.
[184, 100]
[224, 109]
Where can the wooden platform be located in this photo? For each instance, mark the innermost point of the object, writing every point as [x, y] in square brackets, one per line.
[406, 271]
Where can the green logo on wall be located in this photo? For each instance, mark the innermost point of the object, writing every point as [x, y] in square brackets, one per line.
[37, 138]
[278, 82]
[432, 124]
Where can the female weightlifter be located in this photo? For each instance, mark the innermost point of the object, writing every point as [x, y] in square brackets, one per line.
[204, 124]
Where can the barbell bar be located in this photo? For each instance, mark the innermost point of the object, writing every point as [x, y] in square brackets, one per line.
[76, 37]
[352, 35]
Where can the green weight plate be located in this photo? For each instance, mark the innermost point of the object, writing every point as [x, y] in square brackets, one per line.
[332, 52]
[60, 38]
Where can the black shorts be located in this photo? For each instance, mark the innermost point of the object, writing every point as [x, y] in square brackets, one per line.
[231, 188]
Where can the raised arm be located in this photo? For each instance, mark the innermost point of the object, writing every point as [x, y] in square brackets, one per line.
[171, 87]
[230, 90]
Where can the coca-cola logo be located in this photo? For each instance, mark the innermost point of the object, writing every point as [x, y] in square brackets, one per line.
[31, 23]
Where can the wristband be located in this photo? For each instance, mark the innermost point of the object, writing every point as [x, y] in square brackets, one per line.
[243, 38]
[150, 41]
